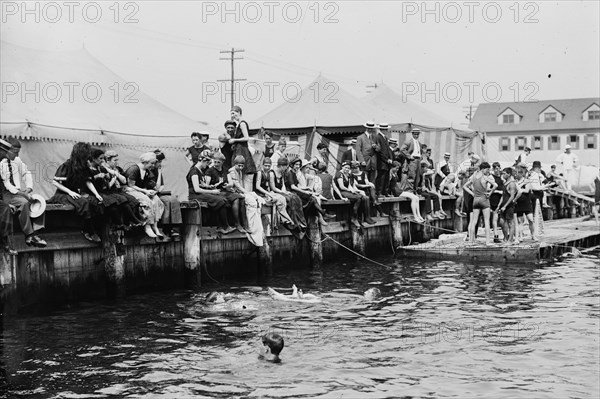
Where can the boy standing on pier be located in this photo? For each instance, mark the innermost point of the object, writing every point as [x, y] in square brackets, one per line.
[506, 207]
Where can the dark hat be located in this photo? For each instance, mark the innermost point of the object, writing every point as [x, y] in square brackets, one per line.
[159, 155]
[537, 164]
[268, 133]
[236, 108]
[295, 160]
[320, 146]
[229, 123]
[346, 163]
[14, 142]
[527, 149]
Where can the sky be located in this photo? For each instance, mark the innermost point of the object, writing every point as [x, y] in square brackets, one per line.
[446, 56]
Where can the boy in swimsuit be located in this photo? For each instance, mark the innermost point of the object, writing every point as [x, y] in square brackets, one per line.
[272, 347]
[481, 185]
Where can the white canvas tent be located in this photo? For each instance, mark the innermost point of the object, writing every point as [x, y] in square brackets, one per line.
[52, 100]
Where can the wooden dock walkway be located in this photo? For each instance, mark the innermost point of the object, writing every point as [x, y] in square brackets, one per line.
[559, 236]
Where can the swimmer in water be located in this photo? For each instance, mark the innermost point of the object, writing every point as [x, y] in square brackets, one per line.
[296, 295]
[372, 294]
[272, 347]
[215, 297]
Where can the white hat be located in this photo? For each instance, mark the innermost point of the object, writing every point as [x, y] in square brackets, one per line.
[37, 206]
[370, 125]
[568, 147]
[383, 126]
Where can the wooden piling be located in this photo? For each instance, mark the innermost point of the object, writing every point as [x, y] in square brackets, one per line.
[265, 253]
[313, 232]
[396, 225]
[191, 247]
[114, 264]
[358, 239]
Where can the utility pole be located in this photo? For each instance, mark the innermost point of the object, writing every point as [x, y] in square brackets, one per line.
[469, 116]
[231, 58]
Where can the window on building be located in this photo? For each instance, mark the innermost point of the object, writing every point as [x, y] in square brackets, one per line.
[590, 142]
[549, 116]
[508, 119]
[537, 143]
[593, 115]
[504, 144]
[520, 143]
[554, 143]
[292, 138]
[574, 141]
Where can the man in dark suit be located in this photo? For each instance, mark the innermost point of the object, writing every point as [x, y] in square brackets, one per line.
[366, 144]
[411, 150]
[385, 157]
[350, 154]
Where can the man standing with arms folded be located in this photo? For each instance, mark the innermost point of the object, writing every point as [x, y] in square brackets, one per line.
[385, 157]
[366, 144]
[411, 149]
[18, 187]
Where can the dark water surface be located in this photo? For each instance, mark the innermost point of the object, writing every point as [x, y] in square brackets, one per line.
[443, 329]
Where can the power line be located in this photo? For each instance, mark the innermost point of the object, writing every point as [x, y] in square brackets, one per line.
[232, 58]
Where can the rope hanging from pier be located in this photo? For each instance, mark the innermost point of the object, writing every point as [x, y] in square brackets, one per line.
[354, 252]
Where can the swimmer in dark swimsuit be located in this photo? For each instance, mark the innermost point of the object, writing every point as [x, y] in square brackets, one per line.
[481, 185]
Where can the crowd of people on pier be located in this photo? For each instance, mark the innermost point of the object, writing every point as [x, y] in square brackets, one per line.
[234, 187]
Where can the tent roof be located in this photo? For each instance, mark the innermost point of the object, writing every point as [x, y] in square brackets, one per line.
[323, 103]
[73, 96]
[403, 110]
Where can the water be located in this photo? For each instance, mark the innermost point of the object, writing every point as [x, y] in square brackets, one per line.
[442, 330]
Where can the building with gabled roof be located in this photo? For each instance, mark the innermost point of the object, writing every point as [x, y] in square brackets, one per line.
[544, 126]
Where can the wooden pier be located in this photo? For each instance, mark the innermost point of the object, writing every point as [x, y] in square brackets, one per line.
[559, 236]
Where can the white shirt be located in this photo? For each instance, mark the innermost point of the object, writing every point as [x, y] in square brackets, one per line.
[20, 174]
[416, 148]
[536, 179]
[567, 161]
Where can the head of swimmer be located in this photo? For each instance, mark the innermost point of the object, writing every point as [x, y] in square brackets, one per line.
[272, 346]
[215, 297]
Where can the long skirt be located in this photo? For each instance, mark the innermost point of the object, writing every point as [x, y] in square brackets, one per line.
[152, 208]
[83, 206]
[172, 213]
[294, 208]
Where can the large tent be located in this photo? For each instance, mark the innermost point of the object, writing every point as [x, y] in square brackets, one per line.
[52, 100]
[323, 105]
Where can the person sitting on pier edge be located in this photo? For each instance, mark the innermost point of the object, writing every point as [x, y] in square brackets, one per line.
[293, 181]
[6, 218]
[323, 156]
[480, 186]
[308, 181]
[385, 157]
[14, 175]
[114, 204]
[199, 190]
[140, 184]
[358, 199]
[71, 180]
[433, 199]
[400, 188]
[523, 208]
[330, 190]
[506, 207]
[278, 182]
[273, 345]
[171, 218]
[365, 186]
[495, 198]
[225, 147]
[199, 141]
[522, 158]
[262, 187]
[366, 144]
[279, 152]
[239, 141]
[442, 170]
[117, 184]
[253, 203]
[411, 150]
[217, 177]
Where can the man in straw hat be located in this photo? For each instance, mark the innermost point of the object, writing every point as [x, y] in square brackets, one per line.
[366, 144]
[411, 149]
[5, 213]
[17, 192]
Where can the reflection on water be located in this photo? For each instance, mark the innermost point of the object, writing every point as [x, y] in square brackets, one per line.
[440, 329]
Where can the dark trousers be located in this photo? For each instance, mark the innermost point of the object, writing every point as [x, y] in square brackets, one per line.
[535, 196]
[413, 173]
[382, 182]
[6, 227]
[28, 224]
